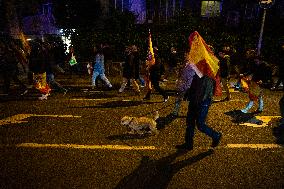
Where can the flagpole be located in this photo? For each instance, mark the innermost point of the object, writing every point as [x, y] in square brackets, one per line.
[261, 32]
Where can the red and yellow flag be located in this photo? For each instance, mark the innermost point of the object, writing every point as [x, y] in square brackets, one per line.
[203, 57]
[151, 56]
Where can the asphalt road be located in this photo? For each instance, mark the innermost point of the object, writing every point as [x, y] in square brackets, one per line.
[76, 141]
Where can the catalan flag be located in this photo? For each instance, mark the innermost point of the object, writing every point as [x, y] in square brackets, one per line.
[203, 57]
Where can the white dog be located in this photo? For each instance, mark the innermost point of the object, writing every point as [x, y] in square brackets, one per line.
[141, 125]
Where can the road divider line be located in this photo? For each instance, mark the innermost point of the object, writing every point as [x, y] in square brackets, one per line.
[126, 147]
[258, 146]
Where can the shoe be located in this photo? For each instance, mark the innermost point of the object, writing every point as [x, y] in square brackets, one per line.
[216, 141]
[174, 113]
[120, 90]
[184, 146]
[65, 91]
[166, 98]
[43, 97]
[258, 111]
[146, 98]
[25, 92]
[227, 99]
[244, 111]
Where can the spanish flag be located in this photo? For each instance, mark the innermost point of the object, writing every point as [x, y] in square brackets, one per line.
[204, 59]
[151, 56]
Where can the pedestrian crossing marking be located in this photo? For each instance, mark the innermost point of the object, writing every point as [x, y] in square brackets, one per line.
[265, 121]
[19, 118]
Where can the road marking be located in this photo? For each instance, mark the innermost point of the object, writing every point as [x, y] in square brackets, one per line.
[260, 146]
[77, 146]
[126, 147]
[19, 118]
[89, 99]
[265, 121]
[232, 91]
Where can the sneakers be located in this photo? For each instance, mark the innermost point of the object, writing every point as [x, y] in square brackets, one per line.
[65, 91]
[43, 97]
[244, 111]
[216, 141]
[120, 90]
[184, 147]
[24, 92]
[227, 99]
[166, 98]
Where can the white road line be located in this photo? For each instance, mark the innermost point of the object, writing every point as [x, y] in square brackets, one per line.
[125, 147]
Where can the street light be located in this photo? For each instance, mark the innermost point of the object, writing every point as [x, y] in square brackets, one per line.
[265, 4]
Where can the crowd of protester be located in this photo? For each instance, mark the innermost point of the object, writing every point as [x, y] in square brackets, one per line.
[242, 70]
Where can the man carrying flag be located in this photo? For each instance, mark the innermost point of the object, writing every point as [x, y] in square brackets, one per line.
[154, 72]
[202, 88]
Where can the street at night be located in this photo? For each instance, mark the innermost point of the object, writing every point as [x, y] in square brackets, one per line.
[141, 94]
[76, 141]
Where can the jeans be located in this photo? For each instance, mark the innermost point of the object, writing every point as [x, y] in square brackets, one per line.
[196, 115]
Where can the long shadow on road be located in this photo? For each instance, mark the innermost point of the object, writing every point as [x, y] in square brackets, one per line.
[240, 117]
[115, 104]
[158, 173]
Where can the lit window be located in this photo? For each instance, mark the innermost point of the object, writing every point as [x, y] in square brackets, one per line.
[210, 8]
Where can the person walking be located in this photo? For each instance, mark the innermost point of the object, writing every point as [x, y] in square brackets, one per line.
[98, 68]
[38, 66]
[172, 64]
[154, 77]
[129, 71]
[52, 67]
[9, 61]
[224, 72]
[200, 97]
[280, 70]
[182, 85]
[252, 81]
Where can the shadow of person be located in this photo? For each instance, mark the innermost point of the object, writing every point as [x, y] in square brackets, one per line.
[162, 122]
[278, 132]
[158, 173]
[240, 117]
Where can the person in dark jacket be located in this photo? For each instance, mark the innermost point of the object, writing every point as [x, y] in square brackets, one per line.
[154, 77]
[9, 60]
[199, 96]
[280, 70]
[224, 72]
[129, 71]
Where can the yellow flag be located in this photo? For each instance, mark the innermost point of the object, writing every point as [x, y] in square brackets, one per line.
[151, 55]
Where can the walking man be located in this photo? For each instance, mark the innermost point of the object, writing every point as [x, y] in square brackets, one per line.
[200, 97]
